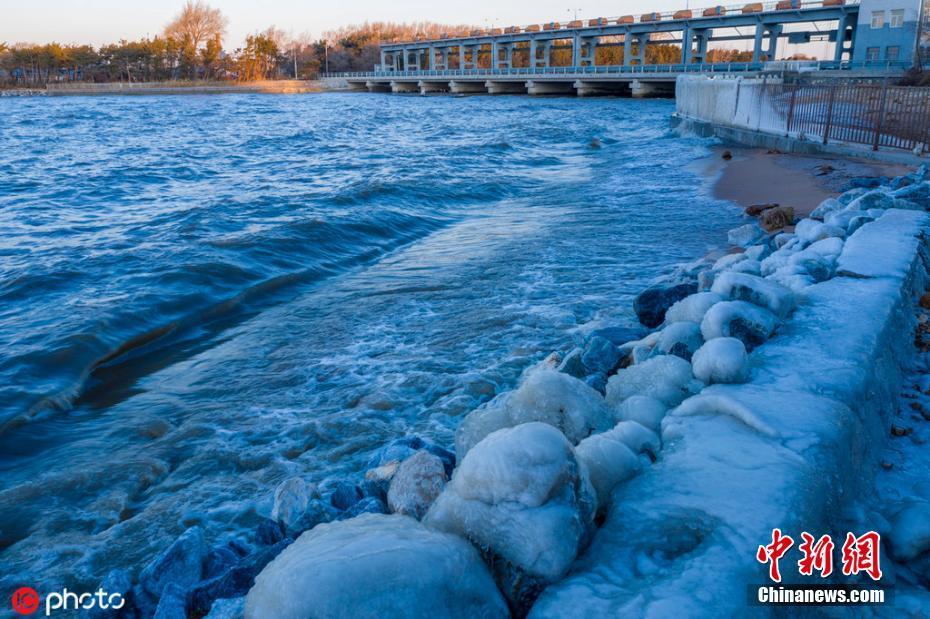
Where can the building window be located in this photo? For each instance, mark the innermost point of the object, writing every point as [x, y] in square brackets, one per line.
[892, 53]
[878, 19]
[897, 18]
[871, 54]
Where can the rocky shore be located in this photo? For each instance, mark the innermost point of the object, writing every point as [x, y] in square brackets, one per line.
[493, 525]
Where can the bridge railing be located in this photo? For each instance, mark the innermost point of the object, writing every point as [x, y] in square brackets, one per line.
[650, 69]
[647, 17]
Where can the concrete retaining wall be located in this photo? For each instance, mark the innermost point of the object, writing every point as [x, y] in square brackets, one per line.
[790, 449]
[736, 109]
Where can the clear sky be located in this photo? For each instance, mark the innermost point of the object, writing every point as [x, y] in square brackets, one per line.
[106, 21]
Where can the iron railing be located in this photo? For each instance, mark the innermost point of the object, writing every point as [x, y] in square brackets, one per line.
[875, 115]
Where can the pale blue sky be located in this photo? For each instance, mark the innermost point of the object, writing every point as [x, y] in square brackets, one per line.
[104, 21]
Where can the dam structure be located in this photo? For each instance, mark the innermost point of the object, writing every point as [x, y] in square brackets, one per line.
[867, 38]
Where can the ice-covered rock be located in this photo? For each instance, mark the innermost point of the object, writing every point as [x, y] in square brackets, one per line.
[172, 604]
[744, 236]
[665, 377]
[227, 608]
[848, 197]
[418, 481]
[826, 207]
[727, 261]
[752, 267]
[572, 365]
[781, 240]
[810, 230]
[753, 289]
[651, 304]
[758, 252]
[521, 494]
[638, 438]
[745, 321]
[910, 531]
[680, 339]
[181, 564]
[705, 280]
[877, 198]
[290, 500]
[721, 360]
[644, 410]
[609, 461]
[693, 307]
[600, 355]
[918, 194]
[375, 566]
[548, 396]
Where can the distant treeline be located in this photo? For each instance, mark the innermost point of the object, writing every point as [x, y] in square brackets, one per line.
[191, 48]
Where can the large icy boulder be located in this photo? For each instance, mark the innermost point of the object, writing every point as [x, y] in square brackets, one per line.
[609, 461]
[721, 360]
[745, 321]
[762, 292]
[521, 494]
[666, 378]
[551, 397]
[375, 566]
[693, 307]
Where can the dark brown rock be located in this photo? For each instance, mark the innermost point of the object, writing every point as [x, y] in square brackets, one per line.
[754, 210]
[777, 218]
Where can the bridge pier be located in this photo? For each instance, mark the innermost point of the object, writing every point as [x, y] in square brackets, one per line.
[586, 88]
[467, 88]
[642, 90]
[537, 87]
[505, 88]
[427, 87]
[377, 86]
[404, 87]
[763, 31]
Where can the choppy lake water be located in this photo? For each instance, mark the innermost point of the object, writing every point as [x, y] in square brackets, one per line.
[200, 296]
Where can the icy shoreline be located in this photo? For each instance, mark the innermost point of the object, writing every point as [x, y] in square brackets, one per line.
[635, 475]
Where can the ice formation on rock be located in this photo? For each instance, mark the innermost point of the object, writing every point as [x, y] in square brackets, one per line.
[745, 321]
[721, 360]
[665, 377]
[375, 566]
[642, 409]
[551, 397]
[692, 308]
[521, 494]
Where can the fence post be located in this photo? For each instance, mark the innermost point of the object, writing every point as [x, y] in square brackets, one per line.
[881, 116]
[794, 94]
[829, 124]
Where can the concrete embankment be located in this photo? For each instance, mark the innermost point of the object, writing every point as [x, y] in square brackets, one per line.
[760, 112]
[186, 88]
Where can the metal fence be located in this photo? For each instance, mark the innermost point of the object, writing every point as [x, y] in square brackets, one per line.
[875, 115]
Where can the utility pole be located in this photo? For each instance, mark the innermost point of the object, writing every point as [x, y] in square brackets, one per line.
[574, 13]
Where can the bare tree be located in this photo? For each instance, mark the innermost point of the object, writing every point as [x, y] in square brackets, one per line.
[196, 24]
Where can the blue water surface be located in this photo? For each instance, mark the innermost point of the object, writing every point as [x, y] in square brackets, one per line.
[200, 296]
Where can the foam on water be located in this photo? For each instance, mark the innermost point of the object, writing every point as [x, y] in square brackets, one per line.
[202, 296]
